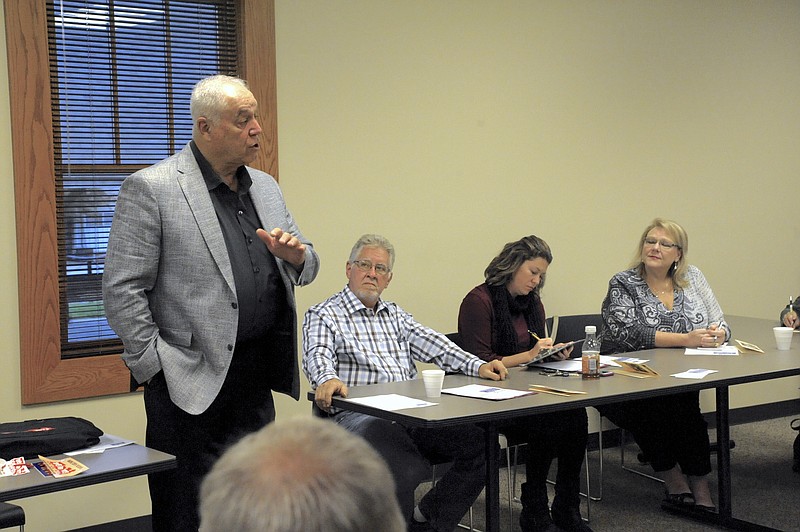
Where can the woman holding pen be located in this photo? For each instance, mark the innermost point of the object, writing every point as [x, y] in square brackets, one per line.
[504, 319]
[789, 314]
[662, 301]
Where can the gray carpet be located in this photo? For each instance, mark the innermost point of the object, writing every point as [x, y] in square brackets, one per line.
[765, 490]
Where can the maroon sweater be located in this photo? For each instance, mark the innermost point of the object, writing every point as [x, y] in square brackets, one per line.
[477, 329]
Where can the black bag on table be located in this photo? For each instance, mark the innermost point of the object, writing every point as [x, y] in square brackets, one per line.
[46, 437]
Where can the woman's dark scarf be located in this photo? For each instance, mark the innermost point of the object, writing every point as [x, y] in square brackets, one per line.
[506, 306]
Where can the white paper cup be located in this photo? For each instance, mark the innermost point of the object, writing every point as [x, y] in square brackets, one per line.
[433, 379]
[783, 337]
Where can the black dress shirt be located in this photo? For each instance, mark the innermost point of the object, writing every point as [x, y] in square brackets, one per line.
[260, 292]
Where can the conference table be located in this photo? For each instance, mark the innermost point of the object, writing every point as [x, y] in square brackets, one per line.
[449, 410]
[113, 464]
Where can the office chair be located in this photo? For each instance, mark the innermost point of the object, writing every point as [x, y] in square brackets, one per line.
[642, 459]
[11, 515]
[573, 327]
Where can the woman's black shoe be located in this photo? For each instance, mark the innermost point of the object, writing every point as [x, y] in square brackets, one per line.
[569, 520]
[679, 499]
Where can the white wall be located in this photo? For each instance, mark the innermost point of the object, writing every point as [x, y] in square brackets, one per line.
[454, 126]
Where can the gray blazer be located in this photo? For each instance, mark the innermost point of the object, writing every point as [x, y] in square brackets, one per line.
[168, 284]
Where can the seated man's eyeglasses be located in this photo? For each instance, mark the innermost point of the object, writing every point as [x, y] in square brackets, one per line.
[366, 266]
[663, 243]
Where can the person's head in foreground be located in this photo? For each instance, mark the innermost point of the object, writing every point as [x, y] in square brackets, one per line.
[300, 475]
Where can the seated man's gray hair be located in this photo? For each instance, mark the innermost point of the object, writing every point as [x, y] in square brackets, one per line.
[300, 475]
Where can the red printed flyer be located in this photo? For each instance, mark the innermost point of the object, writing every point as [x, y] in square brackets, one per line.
[67, 467]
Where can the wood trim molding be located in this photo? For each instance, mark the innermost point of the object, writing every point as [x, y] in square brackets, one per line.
[259, 68]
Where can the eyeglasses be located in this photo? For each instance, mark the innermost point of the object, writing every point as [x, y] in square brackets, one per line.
[366, 266]
[663, 243]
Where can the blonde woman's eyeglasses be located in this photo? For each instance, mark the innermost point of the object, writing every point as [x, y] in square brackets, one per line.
[663, 243]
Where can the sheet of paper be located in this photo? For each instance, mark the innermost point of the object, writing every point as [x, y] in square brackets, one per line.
[570, 364]
[574, 364]
[723, 350]
[608, 361]
[694, 373]
[392, 401]
[480, 391]
[107, 441]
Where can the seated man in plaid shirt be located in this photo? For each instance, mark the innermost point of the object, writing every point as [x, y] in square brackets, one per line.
[355, 338]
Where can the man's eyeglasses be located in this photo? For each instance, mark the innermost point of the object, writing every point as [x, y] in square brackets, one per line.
[663, 243]
[366, 266]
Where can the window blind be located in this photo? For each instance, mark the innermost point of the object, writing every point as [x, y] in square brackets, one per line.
[121, 75]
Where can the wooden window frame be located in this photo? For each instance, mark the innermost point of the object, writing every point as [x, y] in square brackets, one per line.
[45, 376]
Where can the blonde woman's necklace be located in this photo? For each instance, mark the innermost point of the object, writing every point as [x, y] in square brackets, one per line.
[661, 292]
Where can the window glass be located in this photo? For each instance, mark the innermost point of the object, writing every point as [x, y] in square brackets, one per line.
[122, 73]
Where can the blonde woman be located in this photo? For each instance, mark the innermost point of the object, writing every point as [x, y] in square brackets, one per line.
[663, 301]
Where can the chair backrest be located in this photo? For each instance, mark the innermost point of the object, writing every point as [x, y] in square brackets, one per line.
[573, 328]
[455, 338]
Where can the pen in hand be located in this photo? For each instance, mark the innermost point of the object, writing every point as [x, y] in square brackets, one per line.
[791, 315]
[543, 351]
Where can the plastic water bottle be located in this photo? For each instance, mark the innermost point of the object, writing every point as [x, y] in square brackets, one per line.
[590, 359]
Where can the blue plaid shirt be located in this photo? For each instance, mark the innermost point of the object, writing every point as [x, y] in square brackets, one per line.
[345, 340]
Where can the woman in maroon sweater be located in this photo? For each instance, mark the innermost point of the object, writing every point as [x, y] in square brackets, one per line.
[494, 323]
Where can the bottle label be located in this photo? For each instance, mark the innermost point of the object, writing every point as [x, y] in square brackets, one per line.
[590, 364]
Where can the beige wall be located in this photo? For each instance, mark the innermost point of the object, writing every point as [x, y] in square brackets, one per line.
[452, 127]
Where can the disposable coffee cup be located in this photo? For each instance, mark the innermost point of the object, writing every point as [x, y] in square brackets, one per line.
[433, 379]
[783, 337]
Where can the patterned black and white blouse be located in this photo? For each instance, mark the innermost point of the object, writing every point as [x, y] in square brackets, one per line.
[632, 313]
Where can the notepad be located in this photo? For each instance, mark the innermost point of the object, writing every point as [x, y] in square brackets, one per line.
[544, 353]
[635, 369]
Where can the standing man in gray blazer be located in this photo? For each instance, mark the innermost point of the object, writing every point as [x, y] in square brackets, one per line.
[202, 295]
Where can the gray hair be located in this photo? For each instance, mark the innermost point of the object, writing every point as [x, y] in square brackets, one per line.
[300, 475]
[373, 241]
[209, 96]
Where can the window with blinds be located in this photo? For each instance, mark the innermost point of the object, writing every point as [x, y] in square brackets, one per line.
[121, 75]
